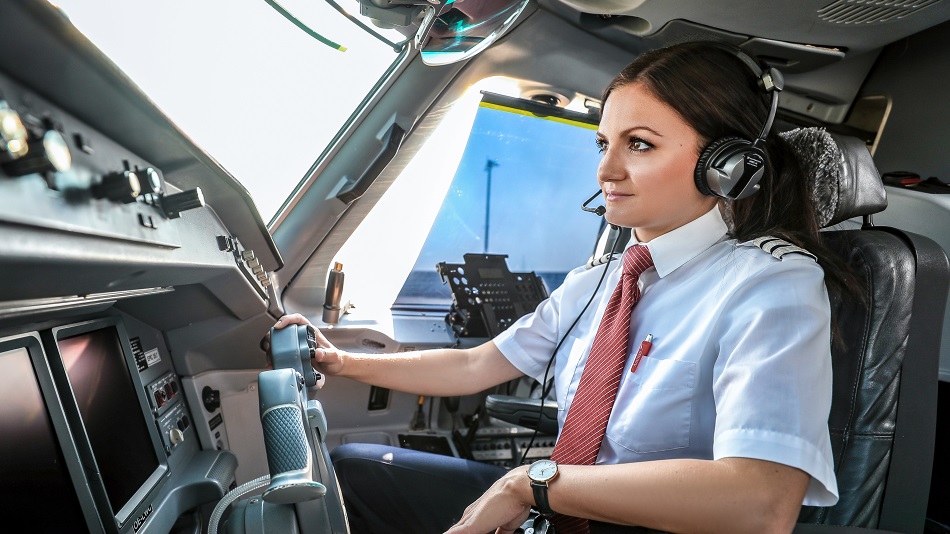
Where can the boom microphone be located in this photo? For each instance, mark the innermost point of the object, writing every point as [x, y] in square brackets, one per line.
[599, 210]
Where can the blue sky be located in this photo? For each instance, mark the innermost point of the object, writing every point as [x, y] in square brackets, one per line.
[546, 169]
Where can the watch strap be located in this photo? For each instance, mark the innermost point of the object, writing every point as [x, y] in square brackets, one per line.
[540, 490]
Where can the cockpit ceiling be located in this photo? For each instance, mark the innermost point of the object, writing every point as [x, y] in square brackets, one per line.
[851, 27]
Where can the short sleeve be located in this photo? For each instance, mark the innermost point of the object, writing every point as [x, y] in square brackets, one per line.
[529, 343]
[772, 381]
[526, 341]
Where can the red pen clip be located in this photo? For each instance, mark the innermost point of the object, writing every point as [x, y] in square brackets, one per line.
[644, 349]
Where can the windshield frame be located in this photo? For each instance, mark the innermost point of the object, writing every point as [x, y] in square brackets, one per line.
[403, 59]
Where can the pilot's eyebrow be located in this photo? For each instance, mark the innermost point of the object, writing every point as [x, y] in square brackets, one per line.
[628, 131]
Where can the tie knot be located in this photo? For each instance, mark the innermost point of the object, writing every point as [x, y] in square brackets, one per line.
[636, 260]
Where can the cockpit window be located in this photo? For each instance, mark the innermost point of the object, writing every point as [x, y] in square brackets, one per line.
[490, 178]
[517, 192]
[261, 96]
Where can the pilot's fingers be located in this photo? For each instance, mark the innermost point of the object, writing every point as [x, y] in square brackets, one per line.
[329, 360]
[293, 318]
[322, 355]
[322, 340]
[296, 318]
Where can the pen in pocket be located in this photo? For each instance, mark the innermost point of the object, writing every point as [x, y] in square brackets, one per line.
[644, 349]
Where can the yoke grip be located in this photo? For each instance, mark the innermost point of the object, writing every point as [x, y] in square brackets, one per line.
[289, 456]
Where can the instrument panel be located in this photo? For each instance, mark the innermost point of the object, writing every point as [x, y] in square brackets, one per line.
[121, 240]
[125, 462]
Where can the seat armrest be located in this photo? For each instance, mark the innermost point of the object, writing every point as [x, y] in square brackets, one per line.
[522, 411]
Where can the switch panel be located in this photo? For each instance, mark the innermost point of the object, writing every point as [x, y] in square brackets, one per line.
[173, 425]
[57, 172]
[163, 393]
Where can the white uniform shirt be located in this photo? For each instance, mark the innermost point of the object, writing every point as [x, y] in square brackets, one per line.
[741, 358]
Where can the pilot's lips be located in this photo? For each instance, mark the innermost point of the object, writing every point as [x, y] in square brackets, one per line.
[615, 196]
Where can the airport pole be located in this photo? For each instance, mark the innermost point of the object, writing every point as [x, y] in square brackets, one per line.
[489, 165]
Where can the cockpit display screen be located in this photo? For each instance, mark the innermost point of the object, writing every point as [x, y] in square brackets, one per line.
[111, 412]
[33, 462]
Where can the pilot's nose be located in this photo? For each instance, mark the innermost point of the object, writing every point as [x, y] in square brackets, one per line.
[611, 167]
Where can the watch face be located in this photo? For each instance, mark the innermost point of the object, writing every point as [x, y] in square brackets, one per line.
[542, 470]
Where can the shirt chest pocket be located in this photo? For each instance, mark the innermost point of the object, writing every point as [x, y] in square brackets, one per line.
[654, 407]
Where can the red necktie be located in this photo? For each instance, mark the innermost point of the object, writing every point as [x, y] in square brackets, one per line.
[586, 423]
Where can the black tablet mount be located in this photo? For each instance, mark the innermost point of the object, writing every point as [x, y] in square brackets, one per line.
[486, 297]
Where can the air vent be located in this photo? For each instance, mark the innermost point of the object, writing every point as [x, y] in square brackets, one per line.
[870, 11]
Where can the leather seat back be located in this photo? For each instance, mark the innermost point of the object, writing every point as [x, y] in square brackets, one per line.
[883, 412]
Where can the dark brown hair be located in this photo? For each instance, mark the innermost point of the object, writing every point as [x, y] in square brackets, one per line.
[718, 95]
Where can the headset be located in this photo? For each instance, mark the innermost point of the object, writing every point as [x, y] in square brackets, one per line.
[731, 167]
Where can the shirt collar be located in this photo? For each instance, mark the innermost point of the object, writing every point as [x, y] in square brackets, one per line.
[676, 247]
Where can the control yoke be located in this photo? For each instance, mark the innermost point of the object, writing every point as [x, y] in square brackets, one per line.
[294, 347]
[284, 416]
[288, 451]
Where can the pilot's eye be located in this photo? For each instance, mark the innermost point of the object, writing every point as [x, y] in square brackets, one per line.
[639, 145]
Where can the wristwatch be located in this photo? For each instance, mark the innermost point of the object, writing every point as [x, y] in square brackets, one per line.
[541, 473]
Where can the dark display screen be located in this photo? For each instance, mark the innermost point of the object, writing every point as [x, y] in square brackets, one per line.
[35, 485]
[489, 273]
[111, 413]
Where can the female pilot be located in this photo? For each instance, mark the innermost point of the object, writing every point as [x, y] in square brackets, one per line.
[719, 424]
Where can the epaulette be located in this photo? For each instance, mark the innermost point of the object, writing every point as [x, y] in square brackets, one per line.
[779, 247]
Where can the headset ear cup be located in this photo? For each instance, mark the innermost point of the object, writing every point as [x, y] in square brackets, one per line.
[705, 159]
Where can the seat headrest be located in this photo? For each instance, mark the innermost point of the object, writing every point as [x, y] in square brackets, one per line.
[845, 181]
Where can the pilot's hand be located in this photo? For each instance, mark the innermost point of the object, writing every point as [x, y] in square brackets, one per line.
[328, 359]
[499, 508]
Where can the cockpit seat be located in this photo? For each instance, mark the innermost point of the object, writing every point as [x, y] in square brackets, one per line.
[883, 415]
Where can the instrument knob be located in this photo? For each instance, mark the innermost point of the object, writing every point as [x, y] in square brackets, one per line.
[122, 187]
[151, 181]
[13, 136]
[176, 436]
[176, 203]
[51, 153]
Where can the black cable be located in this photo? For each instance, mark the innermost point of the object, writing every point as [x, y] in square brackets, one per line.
[429, 421]
[395, 46]
[546, 386]
[298, 23]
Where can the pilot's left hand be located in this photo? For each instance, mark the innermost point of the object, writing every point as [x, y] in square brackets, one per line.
[328, 358]
[498, 508]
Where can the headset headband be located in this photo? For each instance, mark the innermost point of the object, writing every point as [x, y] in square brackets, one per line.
[769, 80]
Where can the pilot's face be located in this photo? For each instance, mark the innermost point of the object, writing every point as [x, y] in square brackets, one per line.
[646, 172]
